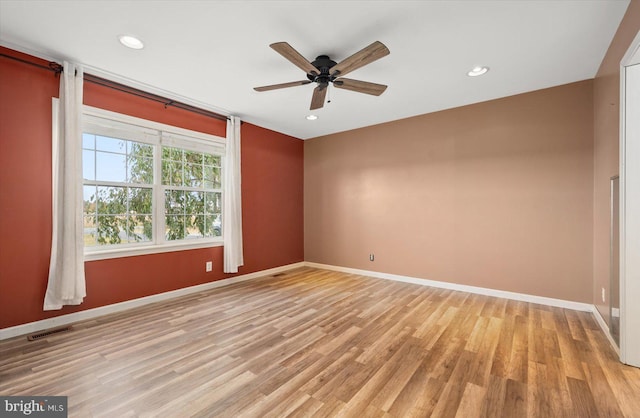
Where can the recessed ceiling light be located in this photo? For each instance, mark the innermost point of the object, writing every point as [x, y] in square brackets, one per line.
[477, 71]
[311, 117]
[130, 41]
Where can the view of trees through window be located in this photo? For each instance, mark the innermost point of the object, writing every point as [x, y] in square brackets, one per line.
[119, 192]
[187, 211]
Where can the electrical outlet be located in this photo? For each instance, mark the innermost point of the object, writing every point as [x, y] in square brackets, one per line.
[603, 295]
[372, 257]
[209, 266]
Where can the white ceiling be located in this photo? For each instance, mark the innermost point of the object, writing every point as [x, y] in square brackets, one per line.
[212, 53]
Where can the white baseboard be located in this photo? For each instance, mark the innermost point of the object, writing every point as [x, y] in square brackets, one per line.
[134, 303]
[122, 306]
[605, 328]
[561, 303]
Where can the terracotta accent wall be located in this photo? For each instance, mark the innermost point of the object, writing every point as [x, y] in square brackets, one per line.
[272, 181]
[497, 194]
[25, 188]
[606, 96]
[272, 198]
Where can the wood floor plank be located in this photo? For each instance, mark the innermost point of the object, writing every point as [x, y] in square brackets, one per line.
[331, 408]
[515, 399]
[412, 357]
[518, 361]
[427, 399]
[502, 354]
[583, 402]
[450, 398]
[485, 354]
[318, 343]
[411, 392]
[346, 382]
[471, 402]
[306, 410]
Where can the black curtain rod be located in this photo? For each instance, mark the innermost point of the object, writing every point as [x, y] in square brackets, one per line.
[53, 66]
[150, 96]
[57, 69]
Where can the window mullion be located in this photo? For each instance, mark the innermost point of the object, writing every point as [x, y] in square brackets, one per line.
[158, 193]
[149, 141]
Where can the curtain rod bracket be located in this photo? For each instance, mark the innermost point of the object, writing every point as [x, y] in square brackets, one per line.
[57, 68]
[169, 103]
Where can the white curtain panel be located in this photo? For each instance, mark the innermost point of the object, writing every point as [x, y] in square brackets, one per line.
[232, 211]
[66, 284]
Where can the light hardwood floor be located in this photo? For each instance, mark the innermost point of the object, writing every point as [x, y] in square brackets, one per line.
[319, 343]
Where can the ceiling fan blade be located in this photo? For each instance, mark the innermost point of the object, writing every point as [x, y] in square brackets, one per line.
[360, 86]
[319, 93]
[361, 58]
[295, 57]
[282, 86]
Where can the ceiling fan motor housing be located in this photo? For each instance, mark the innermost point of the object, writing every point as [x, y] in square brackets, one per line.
[323, 63]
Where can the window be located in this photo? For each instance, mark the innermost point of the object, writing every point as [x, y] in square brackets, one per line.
[192, 194]
[118, 190]
[149, 187]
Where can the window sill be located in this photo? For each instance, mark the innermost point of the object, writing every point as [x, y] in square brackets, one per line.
[150, 249]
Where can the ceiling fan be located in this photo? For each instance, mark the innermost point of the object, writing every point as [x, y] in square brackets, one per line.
[324, 70]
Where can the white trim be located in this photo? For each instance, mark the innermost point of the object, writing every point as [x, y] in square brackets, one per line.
[121, 80]
[157, 134]
[629, 335]
[605, 329]
[88, 69]
[133, 251]
[542, 300]
[134, 303]
[144, 125]
[32, 52]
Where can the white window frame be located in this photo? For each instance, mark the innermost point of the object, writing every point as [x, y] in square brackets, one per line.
[157, 134]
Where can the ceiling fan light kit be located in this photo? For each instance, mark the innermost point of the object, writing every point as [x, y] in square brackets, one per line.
[324, 71]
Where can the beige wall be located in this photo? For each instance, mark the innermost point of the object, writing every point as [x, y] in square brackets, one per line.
[497, 194]
[606, 147]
